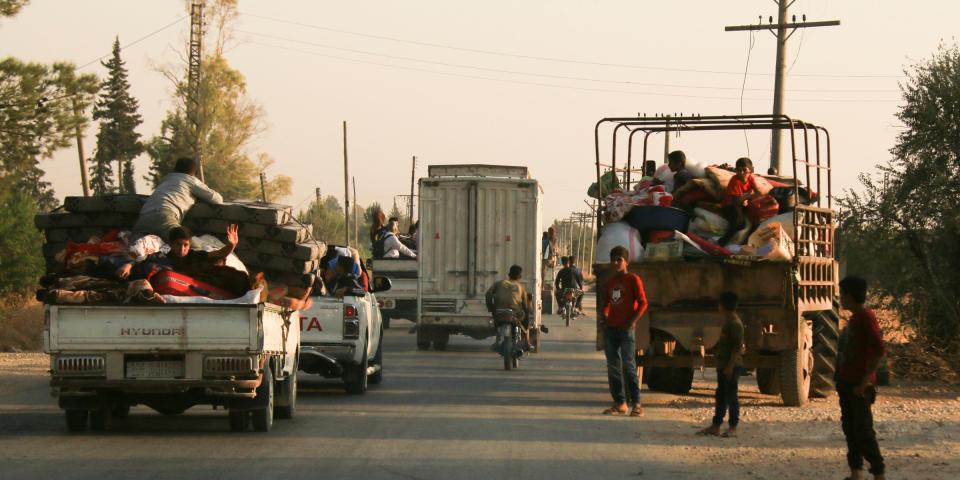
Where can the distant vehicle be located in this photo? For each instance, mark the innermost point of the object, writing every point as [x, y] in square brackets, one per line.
[475, 222]
[343, 338]
[105, 359]
[789, 309]
[401, 300]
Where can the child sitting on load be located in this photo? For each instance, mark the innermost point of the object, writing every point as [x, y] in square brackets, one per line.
[740, 190]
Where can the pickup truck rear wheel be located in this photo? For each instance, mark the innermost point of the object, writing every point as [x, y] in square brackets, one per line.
[263, 417]
[239, 419]
[441, 341]
[355, 376]
[100, 419]
[423, 338]
[377, 377]
[76, 420]
[288, 397]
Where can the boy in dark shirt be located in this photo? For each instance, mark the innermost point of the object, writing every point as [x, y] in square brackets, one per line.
[624, 304]
[346, 282]
[861, 348]
[729, 368]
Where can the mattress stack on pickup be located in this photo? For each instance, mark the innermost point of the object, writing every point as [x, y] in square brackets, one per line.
[271, 240]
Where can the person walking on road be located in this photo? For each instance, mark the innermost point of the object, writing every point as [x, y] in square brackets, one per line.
[861, 348]
[729, 368]
[624, 302]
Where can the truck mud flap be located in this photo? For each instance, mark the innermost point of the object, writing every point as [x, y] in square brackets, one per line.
[318, 363]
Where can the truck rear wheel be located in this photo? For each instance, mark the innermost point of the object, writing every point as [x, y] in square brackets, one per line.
[287, 404]
[120, 411]
[355, 376]
[238, 420]
[677, 380]
[768, 380]
[423, 338]
[377, 377]
[441, 341]
[262, 418]
[76, 420]
[826, 337]
[796, 369]
[100, 419]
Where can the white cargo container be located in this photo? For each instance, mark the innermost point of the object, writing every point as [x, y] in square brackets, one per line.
[475, 222]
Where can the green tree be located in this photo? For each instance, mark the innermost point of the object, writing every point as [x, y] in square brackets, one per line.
[230, 121]
[327, 220]
[40, 108]
[117, 139]
[9, 8]
[911, 208]
[20, 261]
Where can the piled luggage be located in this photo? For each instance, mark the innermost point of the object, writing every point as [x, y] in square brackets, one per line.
[658, 224]
[271, 240]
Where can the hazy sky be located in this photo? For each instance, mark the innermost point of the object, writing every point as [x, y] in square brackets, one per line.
[482, 82]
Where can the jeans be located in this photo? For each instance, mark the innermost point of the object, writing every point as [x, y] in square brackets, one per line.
[727, 398]
[856, 418]
[620, 347]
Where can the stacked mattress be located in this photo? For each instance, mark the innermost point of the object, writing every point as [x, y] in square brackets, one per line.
[271, 240]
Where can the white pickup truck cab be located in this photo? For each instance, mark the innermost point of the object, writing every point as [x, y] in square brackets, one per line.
[343, 338]
[105, 359]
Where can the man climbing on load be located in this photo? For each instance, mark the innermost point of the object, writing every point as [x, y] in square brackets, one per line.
[171, 200]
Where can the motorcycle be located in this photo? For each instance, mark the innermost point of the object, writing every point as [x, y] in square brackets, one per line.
[568, 304]
[509, 337]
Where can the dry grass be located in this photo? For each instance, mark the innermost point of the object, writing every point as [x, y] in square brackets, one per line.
[21, 326]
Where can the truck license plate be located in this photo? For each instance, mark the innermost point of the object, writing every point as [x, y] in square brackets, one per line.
[156, 369]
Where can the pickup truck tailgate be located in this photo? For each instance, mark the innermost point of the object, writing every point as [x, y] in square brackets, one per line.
[90, 327]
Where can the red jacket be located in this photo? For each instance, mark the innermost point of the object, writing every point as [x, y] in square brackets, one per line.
[862, 349]
[623, 299]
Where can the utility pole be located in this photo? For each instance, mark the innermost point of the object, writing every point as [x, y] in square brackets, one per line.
[83, 159]
[346, 188]
[779, 30]
[356, 224]
[318, 196]
[194, 108]
[413, 176]
[263, 187]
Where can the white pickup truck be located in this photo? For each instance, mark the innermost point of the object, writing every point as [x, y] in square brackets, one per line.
[105, 359]
[401, 300]
[343, 338]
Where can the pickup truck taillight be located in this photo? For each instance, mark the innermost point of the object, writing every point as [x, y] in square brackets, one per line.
[349, 311]
[351, 324]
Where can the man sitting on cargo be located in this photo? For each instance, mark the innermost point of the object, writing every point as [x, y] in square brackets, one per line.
[510, 294]
[346, 283]
[392, 246]
[171, 200]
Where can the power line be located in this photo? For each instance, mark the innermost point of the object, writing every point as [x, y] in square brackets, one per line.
[98, 59]
[534, 74]
[542, 58]
[538, 84]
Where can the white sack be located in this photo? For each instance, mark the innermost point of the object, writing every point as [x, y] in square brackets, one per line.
[619, 234]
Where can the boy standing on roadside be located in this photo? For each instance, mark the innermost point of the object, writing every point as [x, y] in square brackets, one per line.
[624, 303]
[861, 348]
[729, 368]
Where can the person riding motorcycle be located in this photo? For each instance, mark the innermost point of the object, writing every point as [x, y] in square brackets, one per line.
[569, 277]
[510, 294]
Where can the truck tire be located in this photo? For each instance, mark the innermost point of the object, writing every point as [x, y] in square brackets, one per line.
[423, 338]
[100, 420]
[826, 337]
[796, 369]
[239, 419]
[355, 377]
[262, 418]
[120, 411]
[377, 377]
[287, 406]
[441, 341]
[768, 381]
[76, 420]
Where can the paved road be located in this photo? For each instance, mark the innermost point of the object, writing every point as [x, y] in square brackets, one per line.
[452, 414]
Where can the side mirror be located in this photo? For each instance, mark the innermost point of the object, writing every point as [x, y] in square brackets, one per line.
[381, 284]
